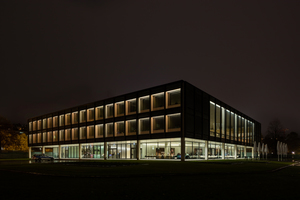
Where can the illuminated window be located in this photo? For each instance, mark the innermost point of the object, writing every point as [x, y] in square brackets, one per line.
[68, 119]
[82, 116]
[144, 104]
[61, 120]
[173, 122]
[55, 121]
[99, 131]
[39, 138]
[44, 137]
[30, 139]
[55, 136]
[33, 138]
[131, 127]
[90, 132]
[119, 109]
[49, 122]
[99, 113]
[109, 130]
[223, 123]
[44, 123]
[212, 119]
[130, 106]
[82, 132]
[158, 124]
[173, 98]
[157, 101]
[90, 114]
[39, 125]
[74, 117]
[74, 133]
[218, 121]
[49, 138]
[109, 110]
[61, 135]
[119, 129]
[34, 125]
[30, 126]
[67, 134]
[144, 126]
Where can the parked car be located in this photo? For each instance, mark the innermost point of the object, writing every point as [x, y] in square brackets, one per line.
[40, 157]
[178, 156]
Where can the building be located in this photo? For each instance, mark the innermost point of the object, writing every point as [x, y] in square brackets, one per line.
[162, 122]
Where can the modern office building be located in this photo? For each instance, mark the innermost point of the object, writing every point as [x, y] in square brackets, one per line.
[162, 122]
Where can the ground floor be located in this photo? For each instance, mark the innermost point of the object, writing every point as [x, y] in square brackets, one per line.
[171, 148]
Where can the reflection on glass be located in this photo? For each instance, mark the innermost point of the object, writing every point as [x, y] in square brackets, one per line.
[158, 101]
[144, 125]
[144, 104]
[158, 124]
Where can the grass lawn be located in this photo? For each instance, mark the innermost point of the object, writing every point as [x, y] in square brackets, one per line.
[149, 180]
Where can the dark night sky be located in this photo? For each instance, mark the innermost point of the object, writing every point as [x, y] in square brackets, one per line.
[60, 54]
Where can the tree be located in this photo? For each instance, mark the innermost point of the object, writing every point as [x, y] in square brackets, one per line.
[275, 132]
[293, 142]
[5, 129]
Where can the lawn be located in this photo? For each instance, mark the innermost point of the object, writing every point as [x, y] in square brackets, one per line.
[149, 180]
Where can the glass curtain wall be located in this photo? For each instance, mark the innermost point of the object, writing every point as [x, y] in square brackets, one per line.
[92, 150]
[70, 151]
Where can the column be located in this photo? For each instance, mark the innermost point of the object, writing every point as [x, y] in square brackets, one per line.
[235, 151]
[43, 149]
[206, 150]
[105, 150]
[59, 151]
[79, 151]
[183, 149]
[245, 151]
[29, 152]
[138, 144]
[223, 151]
[252, 152]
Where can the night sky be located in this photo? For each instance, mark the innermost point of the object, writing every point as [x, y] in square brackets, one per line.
[60, 54]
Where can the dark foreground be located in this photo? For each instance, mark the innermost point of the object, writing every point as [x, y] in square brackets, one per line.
[149, 180]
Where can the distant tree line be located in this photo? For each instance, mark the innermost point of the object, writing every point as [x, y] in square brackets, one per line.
[10, 137]
[277, 132]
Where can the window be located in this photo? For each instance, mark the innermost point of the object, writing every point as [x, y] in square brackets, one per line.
[44, 137]
[157, 101]
[34, 125]
[119, 129]
[39, 125]
[33, 138]
[130, 106]
[44, 123]
[144, 104]
[173, 98]
[74, 133]
[55, 121]
[212, 119]
[99, 113]
[227, 124]
[82, 116]
[61, 135]
[144, 126]
[99, 131]
[82, 132]
[158, 124]
[49, 122]
[67, 119]
[218, 121]
[109, 111]
[74, 117]
[61, 120]
[67, 134]
[30, 139]
[90, 115]
[223, 123]
[55, 136]
[232, 126]
[49, 138]
[173, 122]
[90, 132]
[119, 109]
[131, 127]
[39, 138]
[109, 130]
[30, 126]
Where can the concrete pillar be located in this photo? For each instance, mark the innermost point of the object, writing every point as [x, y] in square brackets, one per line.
[223, 151]
[206, 150]
[252, 153]
[105, 150]
[235, 151]
[138, 144]
[182, 149]
[29, 152]
[59, 151]
[245, 151]
[43, 149]
[79, 151]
